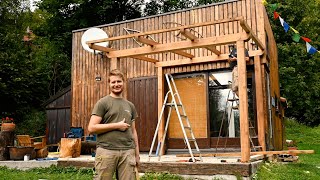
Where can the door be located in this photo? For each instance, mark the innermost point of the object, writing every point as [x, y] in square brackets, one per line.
[142, 92]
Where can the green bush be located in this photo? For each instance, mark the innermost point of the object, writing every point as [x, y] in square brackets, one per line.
[33, 123]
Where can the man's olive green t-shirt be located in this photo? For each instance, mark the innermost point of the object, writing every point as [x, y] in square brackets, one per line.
[113, 110]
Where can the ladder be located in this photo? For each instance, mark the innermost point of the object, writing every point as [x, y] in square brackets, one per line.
[233, 101]
[183, 119]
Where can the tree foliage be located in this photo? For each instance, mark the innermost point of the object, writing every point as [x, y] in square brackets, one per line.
[299, 71]
[32, 71]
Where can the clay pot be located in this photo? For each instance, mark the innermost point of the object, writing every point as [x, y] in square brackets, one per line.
[8, 126]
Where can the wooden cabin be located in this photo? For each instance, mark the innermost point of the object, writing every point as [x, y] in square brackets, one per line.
[193, 45]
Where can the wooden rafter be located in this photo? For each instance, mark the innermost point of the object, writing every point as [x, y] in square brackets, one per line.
[154, 43]
[193, 38]
[180, 45]
[144, 58]
[248, 30]
[165, 30]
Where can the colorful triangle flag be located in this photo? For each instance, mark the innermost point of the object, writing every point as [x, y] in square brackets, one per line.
[264, 2]
[310, 49]
[296, 37]
[275, 15]
[284, 24]
[306, 39]
[295, 31]
[281, 20]
[273, 6]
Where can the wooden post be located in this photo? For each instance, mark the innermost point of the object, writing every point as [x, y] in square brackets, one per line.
[259, 102]
[243, 106]
[160, 103]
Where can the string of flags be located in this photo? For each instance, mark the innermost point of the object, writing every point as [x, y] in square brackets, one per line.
[296, 35]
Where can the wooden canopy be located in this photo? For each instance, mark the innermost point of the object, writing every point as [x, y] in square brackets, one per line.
[193, 42]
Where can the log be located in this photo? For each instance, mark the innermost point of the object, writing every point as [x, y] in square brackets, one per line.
[6, 139]
[42, 153]
[70, 147]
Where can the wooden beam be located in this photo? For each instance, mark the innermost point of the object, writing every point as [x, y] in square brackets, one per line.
[235, 154]
[259, 102]
[180, 45]
[248, 30]
[243, 99]
[153, 43]
[166, 30]
[160, 103]
[182, 53]
[101, 48]
[192, 37]
[197, 60]
[146, 41]
[213, 49]
[203, 59]
[186, 33]
[144, 58]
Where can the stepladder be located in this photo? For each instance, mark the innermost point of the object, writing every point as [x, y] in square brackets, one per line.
[172, 102]
[227, 126]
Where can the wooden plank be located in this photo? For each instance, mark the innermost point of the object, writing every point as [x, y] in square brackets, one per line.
[243, 106]
[247, 29]
[197, 60]
[181, 45]
[164, 30]
[235, 154]
[259, 102]
[160, 102]
[144, 58]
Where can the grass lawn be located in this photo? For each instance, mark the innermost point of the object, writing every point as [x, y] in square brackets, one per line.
[307, 167]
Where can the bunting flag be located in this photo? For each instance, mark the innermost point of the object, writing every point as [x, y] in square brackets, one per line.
[306, 39]
[296, 37]
[264, 2]
[284, 24]
[295, 31]
[275, 15]
[274, 6]
[311, 49]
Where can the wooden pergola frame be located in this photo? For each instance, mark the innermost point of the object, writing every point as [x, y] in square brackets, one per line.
[210, 44]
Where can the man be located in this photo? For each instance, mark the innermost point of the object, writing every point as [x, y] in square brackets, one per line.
[113, 120]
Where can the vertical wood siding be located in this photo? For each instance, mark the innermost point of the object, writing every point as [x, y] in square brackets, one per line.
[58, 118]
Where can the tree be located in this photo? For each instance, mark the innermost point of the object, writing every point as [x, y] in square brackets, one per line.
[299, 71]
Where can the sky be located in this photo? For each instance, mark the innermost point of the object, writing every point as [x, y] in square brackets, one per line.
[32, 4]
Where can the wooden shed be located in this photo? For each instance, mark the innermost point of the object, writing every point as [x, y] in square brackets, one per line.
[193, 45]
[58, 115]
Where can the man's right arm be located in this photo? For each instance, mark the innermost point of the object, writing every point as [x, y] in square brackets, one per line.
[95, 127]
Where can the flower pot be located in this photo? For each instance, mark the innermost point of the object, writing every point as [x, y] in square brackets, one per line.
[8, 126]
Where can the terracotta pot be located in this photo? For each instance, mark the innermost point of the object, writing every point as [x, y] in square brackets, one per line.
[8, 126]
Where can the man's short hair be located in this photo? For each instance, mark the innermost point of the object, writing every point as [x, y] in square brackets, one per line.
[116, 72]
